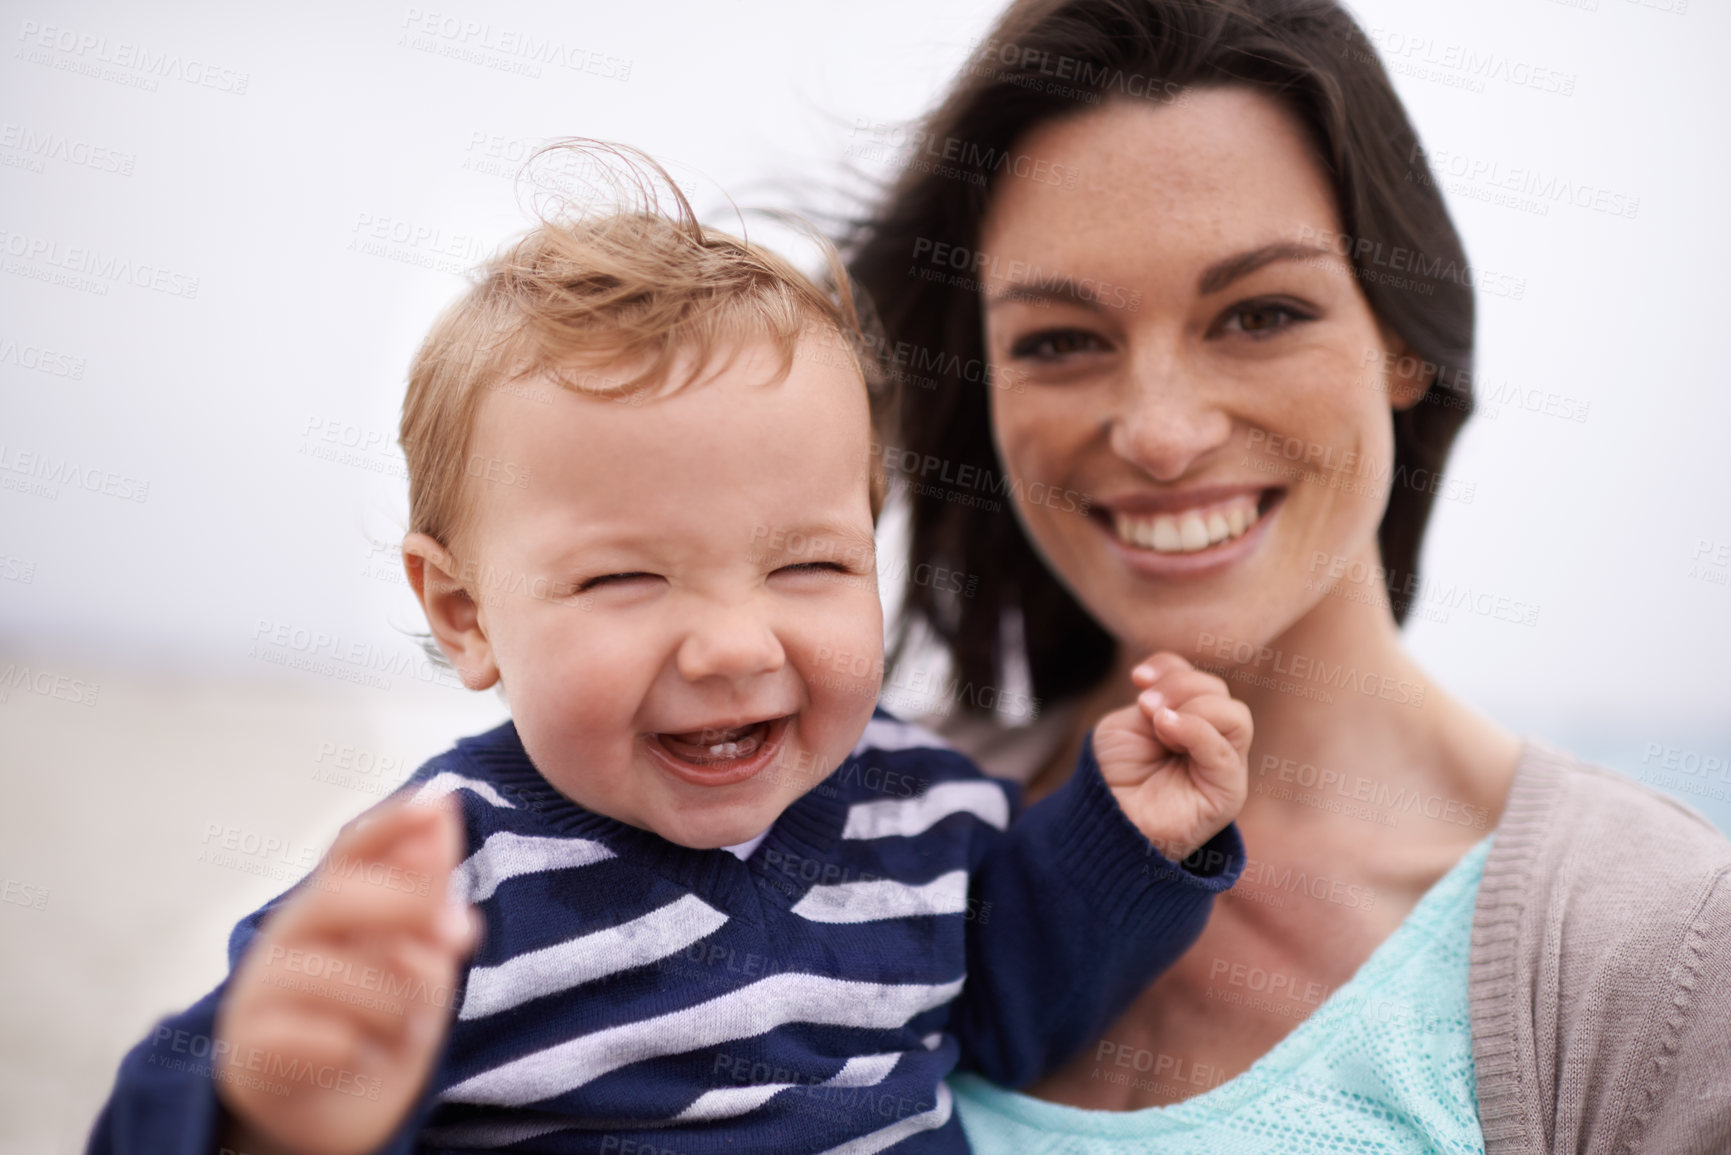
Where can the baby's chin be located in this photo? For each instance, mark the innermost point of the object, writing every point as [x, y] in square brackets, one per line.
[694, 829]
[711, 836]
[723, 823]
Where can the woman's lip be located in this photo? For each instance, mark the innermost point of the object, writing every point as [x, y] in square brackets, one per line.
[1178, 500]
[720, 773]
[1203, 562]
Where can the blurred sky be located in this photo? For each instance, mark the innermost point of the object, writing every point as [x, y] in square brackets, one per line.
[287, 180]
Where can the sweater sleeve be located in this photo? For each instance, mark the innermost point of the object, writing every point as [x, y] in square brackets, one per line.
[1601, 1010]
[1686, 1100]
[1073, 913]
[164, 1099]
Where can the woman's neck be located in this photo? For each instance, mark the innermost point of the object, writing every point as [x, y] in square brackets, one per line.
[1341, 710]
[1343, 717]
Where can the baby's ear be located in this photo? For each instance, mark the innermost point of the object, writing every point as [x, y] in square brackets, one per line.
[451, 611]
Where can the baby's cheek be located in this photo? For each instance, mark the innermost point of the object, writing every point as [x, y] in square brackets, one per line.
[577, 699]
[585, 753]
[843, 669]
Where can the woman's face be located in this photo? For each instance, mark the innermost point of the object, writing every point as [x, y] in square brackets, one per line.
[1186, 348]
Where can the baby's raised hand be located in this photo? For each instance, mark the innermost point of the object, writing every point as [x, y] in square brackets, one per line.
[331, 1023]
[1177, 760]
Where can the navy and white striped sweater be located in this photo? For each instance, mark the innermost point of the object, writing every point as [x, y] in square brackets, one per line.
[634, 996]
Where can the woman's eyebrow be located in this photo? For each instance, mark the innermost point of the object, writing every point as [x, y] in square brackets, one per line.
[1223, 272]
[1070, 291]
[1043, 289]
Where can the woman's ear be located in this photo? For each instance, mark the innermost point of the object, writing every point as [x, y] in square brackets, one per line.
[451, 612]
[1406, 377]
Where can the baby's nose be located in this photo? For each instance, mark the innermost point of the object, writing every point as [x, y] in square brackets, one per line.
[730, 645]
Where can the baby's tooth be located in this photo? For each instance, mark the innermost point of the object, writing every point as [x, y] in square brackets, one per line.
[1235, 520]
[1218, 529]
[1194, 532]
[1167, 538]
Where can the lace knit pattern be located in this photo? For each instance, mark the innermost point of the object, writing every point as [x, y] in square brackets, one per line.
[1383, 1067]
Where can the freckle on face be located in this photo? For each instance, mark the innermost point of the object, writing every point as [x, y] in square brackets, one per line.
[1163, 398]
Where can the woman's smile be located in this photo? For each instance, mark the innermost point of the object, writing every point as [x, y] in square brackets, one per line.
[1191, 533]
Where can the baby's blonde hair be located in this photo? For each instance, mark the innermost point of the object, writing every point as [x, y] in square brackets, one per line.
[586, 294]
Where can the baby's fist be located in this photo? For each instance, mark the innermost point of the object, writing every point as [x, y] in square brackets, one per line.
[1177, 760]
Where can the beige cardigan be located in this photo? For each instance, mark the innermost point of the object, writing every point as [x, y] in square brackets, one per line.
[1600, 969]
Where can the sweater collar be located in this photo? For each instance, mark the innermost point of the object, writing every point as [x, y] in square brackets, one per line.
[808, 829]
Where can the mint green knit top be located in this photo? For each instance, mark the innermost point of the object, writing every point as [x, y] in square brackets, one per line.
[1383, 1066]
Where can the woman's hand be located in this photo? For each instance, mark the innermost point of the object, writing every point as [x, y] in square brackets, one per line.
[1177, 760]
[329, 1028]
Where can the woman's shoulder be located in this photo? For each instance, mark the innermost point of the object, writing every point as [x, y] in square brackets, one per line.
[1591, 851]
[1601, 942]
[1592, 825]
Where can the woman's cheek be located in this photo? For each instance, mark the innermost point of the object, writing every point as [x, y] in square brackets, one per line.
[1033, 431]
[1034, 448]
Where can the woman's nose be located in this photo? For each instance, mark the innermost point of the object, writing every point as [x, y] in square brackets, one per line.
[729, 643]
[1165, 419]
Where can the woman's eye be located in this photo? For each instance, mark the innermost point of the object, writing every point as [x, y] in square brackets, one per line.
[1055, 343]
[608, 579]
[1262, 318]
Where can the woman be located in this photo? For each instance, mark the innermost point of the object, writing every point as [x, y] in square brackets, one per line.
[1226, 331]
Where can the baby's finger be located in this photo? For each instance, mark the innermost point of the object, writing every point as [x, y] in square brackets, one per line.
[400, 888]
[1196, 736]
[355, 898]
[361, 986]
[368, 834]
[282, 1036]
[1156, 667]
[395, 982]
[1227, 715]
[426, 979]
[435, 848]
[1180, 687]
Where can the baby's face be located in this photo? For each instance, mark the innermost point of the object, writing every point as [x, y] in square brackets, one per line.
[680, 596]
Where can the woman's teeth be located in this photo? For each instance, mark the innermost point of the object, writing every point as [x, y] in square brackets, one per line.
[1190, 531]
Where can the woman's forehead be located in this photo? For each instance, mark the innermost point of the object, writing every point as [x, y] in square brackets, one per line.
[1223, 168]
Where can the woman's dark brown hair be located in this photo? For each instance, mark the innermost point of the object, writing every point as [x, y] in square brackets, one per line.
[1048, 59]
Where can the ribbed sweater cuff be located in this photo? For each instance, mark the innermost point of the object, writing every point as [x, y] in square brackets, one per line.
[1113, 866]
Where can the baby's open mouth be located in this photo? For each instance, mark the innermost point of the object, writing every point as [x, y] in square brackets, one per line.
[716, 756]
[704, 746]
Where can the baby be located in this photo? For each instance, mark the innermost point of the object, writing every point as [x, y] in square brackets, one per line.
[698, 894]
